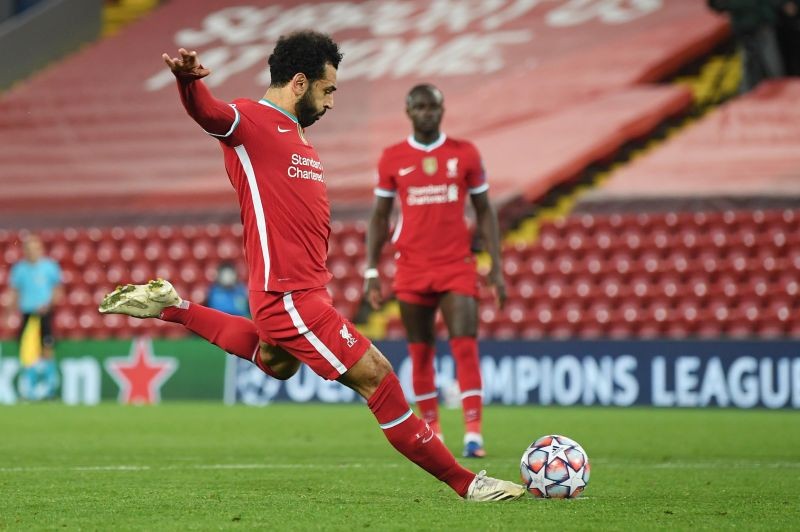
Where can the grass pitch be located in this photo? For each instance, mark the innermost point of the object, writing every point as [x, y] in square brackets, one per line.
[324, 467]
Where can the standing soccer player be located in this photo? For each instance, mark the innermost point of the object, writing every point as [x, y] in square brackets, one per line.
[280, 185]
[432, 175]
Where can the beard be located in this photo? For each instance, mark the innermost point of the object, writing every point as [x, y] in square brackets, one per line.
[307, 113]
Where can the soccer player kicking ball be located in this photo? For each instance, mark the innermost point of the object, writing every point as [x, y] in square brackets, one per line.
[280, 185]
[432, 174]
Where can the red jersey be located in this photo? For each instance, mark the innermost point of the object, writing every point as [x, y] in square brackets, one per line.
[432, 182]
[280, 184]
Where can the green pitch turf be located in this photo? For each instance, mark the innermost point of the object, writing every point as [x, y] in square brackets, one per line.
[318, 467]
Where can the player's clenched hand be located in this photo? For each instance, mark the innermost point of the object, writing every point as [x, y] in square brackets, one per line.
[498, 286]
[372, 290]
[187, 66]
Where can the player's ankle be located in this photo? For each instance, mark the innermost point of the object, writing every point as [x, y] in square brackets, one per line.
[175, 313]
[473, 427]
[476, 437]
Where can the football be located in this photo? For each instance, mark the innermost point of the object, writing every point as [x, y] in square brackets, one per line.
[555, 467]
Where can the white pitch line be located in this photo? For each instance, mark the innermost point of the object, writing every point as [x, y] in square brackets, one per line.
[597, 464]
[279, 466]
[742, 465]
[111, 468]
[75, 468]
[34, 469]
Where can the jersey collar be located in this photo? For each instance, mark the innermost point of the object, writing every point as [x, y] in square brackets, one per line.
[426, 147]
[264, 101]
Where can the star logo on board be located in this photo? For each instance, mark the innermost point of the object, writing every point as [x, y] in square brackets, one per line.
[141, 374]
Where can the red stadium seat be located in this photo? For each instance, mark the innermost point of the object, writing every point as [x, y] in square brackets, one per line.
[140, 272]
[525, 287]
[129, 250]
[511, 266]
[165, 270]
[515, 311]
[154, 250]
[616, 276]
[78, 296]
[178, 251]
[189, 272]
[229, 248]
[651, 263]
[538, 265]
[584, 288]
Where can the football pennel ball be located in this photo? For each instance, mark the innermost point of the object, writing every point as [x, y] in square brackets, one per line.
[555, 467]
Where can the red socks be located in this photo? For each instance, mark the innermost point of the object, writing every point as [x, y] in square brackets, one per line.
[234, 334]
[423, 378]
[468, 372]
[413, 438]
[406, 432]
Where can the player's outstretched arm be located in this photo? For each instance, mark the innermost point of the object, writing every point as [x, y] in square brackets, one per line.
[187, 66]
[377, 233]
[214, 116]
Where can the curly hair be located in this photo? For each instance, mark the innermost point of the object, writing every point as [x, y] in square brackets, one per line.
[302, 51]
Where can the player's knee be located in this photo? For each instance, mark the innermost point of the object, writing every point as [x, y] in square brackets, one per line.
[281, 364]
[417, 337]
[375, 369]
[366, 375]
[382, 367]
[283, 373]
[463, 325]
[469, 331]
[284, 370]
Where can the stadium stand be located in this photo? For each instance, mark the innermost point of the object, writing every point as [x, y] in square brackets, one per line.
[701, 271]
[744, 152]
[703, 274]
[94, 260]
[120, 145]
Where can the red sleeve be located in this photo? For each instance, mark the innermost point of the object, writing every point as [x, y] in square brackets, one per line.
[216, 117]
[476, 175]
[386, 187]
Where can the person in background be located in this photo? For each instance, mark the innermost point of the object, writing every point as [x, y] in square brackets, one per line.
[753, 23]
[432, 175]
[228, 294]
[789, 37]
[36, 288]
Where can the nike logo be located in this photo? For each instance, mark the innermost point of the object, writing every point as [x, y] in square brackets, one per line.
[429, 436]
[405, 171]
[281, 130]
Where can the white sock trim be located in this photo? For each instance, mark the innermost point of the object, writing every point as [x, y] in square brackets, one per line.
[423, 396]
[397, 421]
[472, 393]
